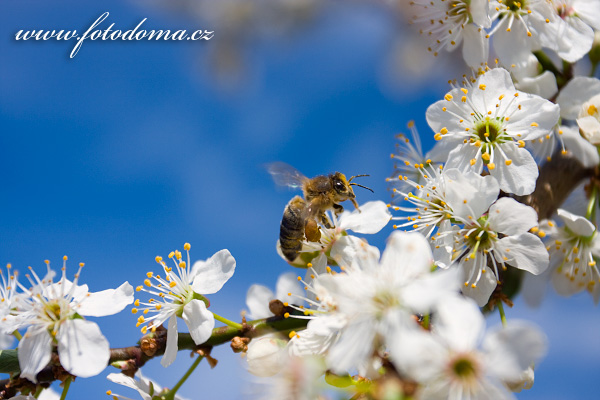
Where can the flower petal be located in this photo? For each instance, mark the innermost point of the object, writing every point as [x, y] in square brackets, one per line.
[172, 347]
[483, 290]
[422, 295]
[257, 301]
[407, 254]
[346, 354]
[212, 274]
[584, 151]
[199, 320]
[510, 217]
[469, 194]
[575, 93]
[525, 251]
[513, 349]
[418, 354]
[579, 225]
[106, 302]
[371, 218]
[288, 290]
[459, 323]
[475, 46]
[82, 348]
[34, 353]
[520, 176]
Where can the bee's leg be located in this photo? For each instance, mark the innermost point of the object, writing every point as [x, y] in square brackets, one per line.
[338, 209]
[312, 231]
[326, 221]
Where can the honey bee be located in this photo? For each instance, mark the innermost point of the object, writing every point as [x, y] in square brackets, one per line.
[301, 215]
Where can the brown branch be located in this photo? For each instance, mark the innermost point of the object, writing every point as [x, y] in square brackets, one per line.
[556, 181]
[129, 359]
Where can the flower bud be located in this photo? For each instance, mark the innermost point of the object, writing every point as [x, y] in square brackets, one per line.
[265, 356]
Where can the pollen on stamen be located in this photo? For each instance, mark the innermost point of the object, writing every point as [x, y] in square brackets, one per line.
[147, 282]
[187, 246]
[286, 315]
[508, 162]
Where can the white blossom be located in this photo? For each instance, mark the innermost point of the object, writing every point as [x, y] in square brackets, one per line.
[52, 312]
[434, 201]
[181, 294]
[447, 25]
[573, 250]
[146, 388]
[379, 297]
[456, 361]
[266, 356]
[580, 100]
[518, 29]
[488, 125]
[479, 243]
[570, 31]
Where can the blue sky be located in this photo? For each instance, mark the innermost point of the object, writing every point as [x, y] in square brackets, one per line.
[131, 149]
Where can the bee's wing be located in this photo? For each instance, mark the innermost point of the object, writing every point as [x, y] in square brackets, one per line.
[285, 175]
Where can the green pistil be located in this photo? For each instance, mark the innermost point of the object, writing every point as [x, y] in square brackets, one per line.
[516, 5]
[464, 368]
[489, 130]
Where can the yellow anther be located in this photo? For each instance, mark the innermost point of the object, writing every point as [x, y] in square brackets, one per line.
[542, 234]
[463, 99]
[134, 310]
[482, 86]
[486, 156]
[444, 130]
[448, 97]
[158, 259]
[182, 265]
[171, 254]
[508, 162]
[286, 315]
[491, 166]
[172, 284]
[149, 274]
[187, 246]
[47, 261]
[535, 124]
[138, 288]
[147, 282]
[473, 161]
[144, 329]
[137, 302]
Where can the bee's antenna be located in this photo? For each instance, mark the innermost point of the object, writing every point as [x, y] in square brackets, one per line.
[364, 187]
[356, 176]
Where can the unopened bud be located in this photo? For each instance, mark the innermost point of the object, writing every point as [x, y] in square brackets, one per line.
[239, 344]
[148, 345]
[277, 307]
